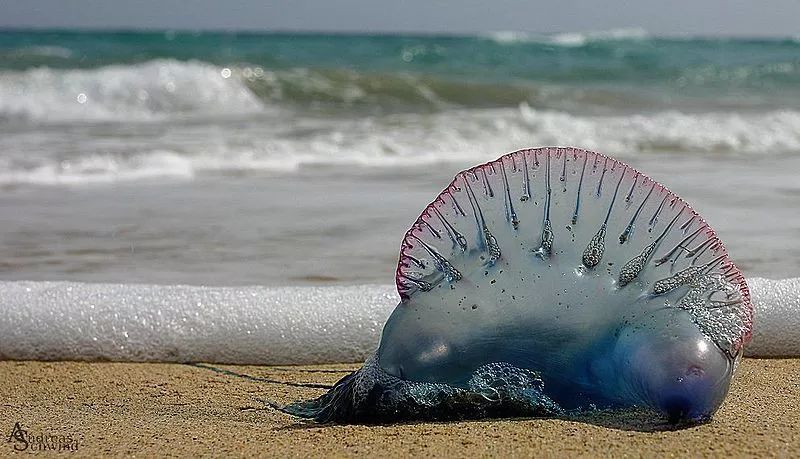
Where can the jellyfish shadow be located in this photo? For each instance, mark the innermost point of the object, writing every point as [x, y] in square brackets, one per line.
[630, 420]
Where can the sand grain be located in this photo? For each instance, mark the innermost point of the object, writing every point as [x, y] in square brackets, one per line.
[182, 410]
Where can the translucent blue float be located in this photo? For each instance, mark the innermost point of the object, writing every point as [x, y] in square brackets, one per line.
[552, 281]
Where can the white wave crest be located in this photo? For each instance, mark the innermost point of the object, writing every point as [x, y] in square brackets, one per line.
[512, 36]
[95, 169]
[153, 89]
[570, 39]
[283, 144]
[582, 38]
[757, 134]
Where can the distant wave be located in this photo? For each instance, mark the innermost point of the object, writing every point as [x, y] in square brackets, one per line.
[169, 88]
[122, 92]
[570, 38]
[580, 39]
[464, 136]
[41, 51]
[96, 169]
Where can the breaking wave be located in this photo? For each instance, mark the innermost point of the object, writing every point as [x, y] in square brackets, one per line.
[122, 92]
[173, 89]
[280, 145]
[169, 88]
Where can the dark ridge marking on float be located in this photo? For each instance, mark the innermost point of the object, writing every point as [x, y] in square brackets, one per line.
[473, 201]
[732, 273]
[717, 247]
[685, 226]
[626, 235]
[548, 189]
[443, 265]
[455, 236]
[654, 218]
[487, 187]
[417, 262]
[693, 252]
[679, 247]
[456, 206]
[714, 263]
[546, 248]
[489, 241]
[418, 283]
[597, 246]
[511, 215]
[476, 209]
[513, 158]
[526, 180]
[633, 187]
[563, 177]
[602, 176]
[580, 186]
[701, 249]
[431, 229]
[633, 267]
[672, 203]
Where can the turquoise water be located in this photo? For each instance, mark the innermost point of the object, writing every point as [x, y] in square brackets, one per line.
[622, 69]
[221, 158]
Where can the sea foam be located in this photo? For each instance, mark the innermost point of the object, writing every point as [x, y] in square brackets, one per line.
[256, 325]
[569, 39]
[145, 91]
[284, 144]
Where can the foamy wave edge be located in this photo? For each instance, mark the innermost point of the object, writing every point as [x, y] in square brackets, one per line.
[465, 136]
[257, 325]
[132, 92]
[569, 39]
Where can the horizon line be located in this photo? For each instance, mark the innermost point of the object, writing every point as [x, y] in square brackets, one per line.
[347, 32]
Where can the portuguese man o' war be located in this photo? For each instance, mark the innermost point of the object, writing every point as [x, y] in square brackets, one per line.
[548, 282]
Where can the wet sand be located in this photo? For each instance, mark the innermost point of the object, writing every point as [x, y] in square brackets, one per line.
[183, 410]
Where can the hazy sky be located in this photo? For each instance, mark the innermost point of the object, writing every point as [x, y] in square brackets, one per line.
[675, 17]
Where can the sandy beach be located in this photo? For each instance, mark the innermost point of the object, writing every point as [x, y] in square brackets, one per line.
[182, 410]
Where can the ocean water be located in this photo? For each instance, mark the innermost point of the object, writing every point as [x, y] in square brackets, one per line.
[301, 159]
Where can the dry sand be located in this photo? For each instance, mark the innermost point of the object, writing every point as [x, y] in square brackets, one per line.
[182, 410]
